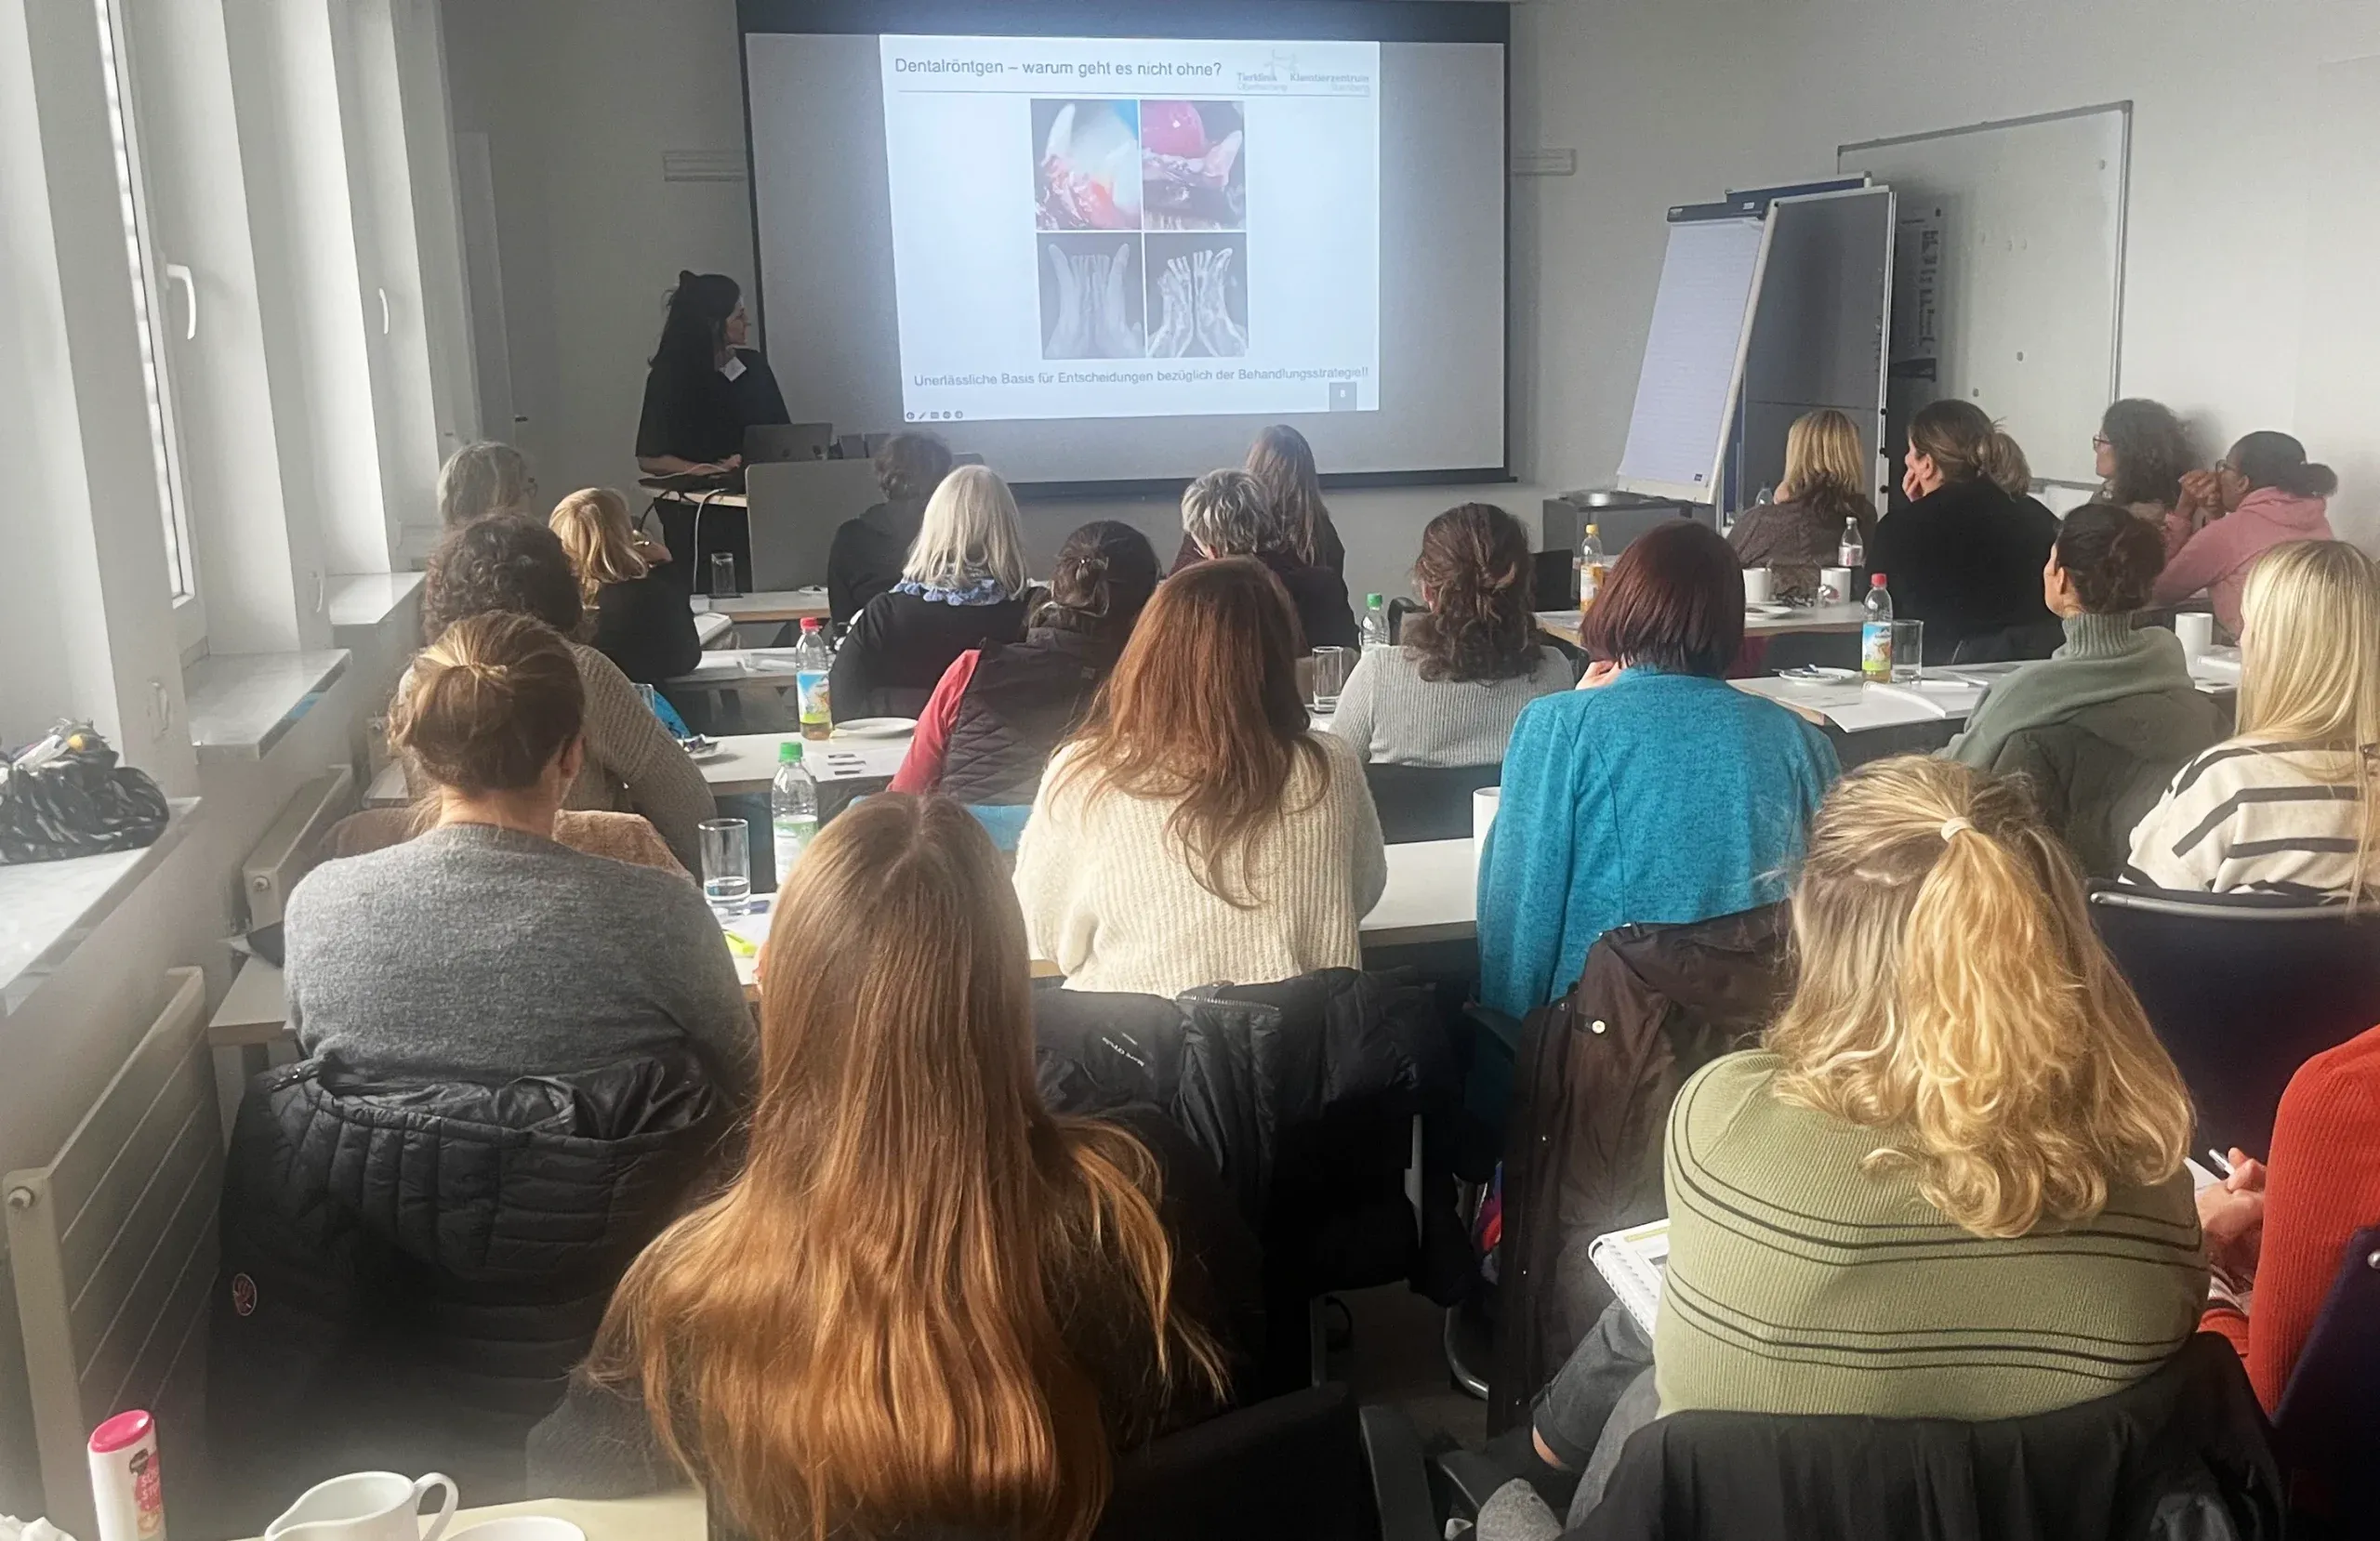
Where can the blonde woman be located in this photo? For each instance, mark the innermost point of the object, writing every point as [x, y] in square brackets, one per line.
[1950, 1185]
[641, 623]
[926, 1305]
[1825, 487]
[963, 586]
[482, 479]
[2285, 807]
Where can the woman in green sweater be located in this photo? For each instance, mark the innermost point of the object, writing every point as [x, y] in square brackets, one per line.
[1950, 1185]
[2098, 728]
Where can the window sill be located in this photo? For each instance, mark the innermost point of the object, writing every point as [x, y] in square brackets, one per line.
[359, 603]
[49, 908]
[240, 704]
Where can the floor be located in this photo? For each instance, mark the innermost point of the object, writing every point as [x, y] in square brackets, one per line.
[1397, 1355]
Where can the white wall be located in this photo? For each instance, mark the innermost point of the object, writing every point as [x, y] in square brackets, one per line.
[1665, 101]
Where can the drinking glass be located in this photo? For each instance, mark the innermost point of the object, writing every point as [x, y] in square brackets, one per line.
[1331, 666]
[727, 866]
[723, 575]
[1908, 652]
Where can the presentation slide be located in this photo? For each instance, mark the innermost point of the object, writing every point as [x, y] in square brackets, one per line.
[1123, 228]
[1104, 259]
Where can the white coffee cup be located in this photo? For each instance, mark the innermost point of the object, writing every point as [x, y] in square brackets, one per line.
[2196, 628]
[1835, 584]
[366, 1506]
[1758, 582]
[1484, 804]
[521, 1527]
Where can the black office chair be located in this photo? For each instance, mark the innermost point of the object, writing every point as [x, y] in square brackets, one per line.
[2328, 1424]
[1427, 802]
[1305, 1467]
[2242, 993]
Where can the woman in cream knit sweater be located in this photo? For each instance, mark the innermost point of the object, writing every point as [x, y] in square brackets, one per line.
[1196, 832]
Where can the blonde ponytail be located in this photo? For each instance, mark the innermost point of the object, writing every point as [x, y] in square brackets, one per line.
[2001, 461]
[1965, 443]
[1952, 997]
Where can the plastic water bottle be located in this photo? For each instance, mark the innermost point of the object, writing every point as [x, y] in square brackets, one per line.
[1375, 628]
[1852, 552]
[811, 661]
[1876, 633]
[1588, 567]
[793, 811]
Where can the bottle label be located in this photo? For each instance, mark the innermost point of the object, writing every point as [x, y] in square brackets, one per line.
[1876, 649]
[812, 690]
[791, 838]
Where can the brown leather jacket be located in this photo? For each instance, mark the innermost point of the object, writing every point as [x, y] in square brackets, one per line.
[1592, 1089]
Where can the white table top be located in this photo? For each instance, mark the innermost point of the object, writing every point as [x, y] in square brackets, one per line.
[747, 762]
[659, 1517]
[710, 625]
[1815, 619]
[785, 604]
[731, 666]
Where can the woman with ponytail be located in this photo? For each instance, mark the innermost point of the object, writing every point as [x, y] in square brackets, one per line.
[2100, 726]
[1451, 692]
[926, 1305]
[1965, 555]
[2264, 492]
[481, 949]
[1001, 710]
[1951, 1183]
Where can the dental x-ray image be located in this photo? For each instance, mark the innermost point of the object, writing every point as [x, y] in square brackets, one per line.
[1090, 297]
[1198, 298]
[1087, 165]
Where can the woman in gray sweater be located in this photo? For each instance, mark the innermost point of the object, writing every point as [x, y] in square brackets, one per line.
[1450, 693]
[481, 949]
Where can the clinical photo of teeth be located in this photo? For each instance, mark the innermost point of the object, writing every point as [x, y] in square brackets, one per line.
[1193, 175]
[1088, 176]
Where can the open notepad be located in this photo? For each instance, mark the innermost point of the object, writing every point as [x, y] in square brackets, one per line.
[1633, 1262]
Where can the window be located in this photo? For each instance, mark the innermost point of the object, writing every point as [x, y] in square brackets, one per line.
[164, 447]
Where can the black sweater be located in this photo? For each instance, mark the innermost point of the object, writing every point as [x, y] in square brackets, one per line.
[868, 554]
[646, 627]
[1966, 559]
[902, 643]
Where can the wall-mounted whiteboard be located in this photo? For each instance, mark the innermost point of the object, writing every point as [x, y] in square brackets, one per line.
[1694, 357]
[2008, 287]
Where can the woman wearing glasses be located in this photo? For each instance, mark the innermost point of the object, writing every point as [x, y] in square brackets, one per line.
[2264, 494]
[2143, 454]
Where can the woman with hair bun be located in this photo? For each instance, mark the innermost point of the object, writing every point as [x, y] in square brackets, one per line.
[1001, 711]
[2263, 494]
[2103, 723]
[1965, 555]
[483, 949]
[1452, 693]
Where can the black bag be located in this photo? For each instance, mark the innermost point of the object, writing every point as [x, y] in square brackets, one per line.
[66, 796]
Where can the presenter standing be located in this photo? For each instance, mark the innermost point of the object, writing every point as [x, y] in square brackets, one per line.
[705, 388]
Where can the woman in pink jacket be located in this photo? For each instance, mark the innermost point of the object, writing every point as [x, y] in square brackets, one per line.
[2265, 492]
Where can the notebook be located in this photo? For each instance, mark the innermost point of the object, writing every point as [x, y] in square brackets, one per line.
[1633, 1262]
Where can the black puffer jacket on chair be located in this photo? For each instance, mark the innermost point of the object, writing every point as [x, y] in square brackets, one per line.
[1305, 1094]
[409, 1274]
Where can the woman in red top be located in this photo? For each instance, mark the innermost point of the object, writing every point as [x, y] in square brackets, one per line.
[2281, 1226]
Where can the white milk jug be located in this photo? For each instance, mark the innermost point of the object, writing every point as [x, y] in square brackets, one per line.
[366, 1506]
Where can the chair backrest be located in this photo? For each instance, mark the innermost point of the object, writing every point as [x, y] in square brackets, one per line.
[2330, 1411]
[2241, 995]
[1291, 1467]
[1427, 802]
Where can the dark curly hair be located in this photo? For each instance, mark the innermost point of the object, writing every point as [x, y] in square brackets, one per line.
[2111, 555]
[2152, 452]
[505, 563]
[1476, 564]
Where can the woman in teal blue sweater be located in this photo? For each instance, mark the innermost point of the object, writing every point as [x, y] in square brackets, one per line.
[1655, 792]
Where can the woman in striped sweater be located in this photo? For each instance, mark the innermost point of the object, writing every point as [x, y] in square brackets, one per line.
[1950, 1185]
[2285, 807]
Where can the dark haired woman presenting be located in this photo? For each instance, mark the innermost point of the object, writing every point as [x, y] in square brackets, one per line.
[1452, 693]
[705, 388]
[2102, 724]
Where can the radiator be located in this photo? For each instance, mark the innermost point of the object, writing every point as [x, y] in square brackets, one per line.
[113, 1246]
[286, 851]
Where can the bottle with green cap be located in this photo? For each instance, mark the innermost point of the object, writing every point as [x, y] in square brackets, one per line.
[793, 810]
[1375, 631]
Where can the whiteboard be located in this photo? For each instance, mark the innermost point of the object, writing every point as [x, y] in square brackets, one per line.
[2008, 286]
[1819, 327]
[1686, 390]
